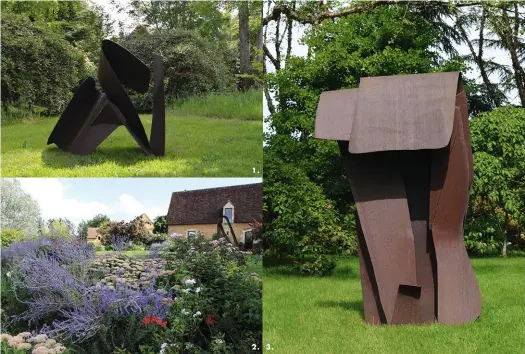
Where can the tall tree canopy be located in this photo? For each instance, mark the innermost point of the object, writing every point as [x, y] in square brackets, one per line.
[19, 210]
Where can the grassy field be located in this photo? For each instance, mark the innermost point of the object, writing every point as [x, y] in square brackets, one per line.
[248, 105]
[324, 315]
[196, 146]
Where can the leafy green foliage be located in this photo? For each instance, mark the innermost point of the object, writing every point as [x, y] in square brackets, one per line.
[19, 210]
[192, 65]
[96, 221]
[134, 229]
[11, 235]
[498, 192]
[160, 224]
[306, 193]
[213, 319]
[47, 49]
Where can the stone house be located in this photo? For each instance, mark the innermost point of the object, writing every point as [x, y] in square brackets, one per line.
[200, 211]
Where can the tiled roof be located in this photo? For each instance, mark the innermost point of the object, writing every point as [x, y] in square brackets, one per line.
[204, 206]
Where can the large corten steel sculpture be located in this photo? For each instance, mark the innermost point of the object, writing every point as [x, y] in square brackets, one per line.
[405, 145]
[91, 116]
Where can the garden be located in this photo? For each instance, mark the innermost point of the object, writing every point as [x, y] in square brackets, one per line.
[181, 296]
[212, 86]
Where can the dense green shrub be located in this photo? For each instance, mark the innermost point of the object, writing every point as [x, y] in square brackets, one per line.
[192, 65]
[497, 203]
[213, 319]
[39, 68]
[134, 230]
[11, 235]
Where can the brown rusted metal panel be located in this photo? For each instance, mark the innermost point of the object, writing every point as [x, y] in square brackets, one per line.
[335, 114]
[405, 145]
[91, 116]
[459, 298]
[378, 190]
[405, 112]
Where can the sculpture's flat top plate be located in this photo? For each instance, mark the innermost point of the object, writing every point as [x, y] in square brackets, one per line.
[402, 112]
[405, 112]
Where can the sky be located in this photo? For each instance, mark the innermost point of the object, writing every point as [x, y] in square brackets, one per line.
[119, 198]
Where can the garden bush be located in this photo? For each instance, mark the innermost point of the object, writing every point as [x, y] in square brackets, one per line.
[188, 296]
[11, 235]
[192, 64]
[39, 68]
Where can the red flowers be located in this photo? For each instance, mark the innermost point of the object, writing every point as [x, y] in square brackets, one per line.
[150, 319]
[210, 320]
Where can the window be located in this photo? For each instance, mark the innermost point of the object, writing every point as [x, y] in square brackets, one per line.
[191, 233]
[228, 211]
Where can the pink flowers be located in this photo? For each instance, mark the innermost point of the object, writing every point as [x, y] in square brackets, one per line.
[210, 320]
[150, 319]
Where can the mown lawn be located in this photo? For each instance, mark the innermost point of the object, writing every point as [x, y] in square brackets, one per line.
[324, 315]
[195, 147]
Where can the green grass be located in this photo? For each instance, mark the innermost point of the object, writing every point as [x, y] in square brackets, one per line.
[254, 264]
[195, 147]
[324, 315]
[248, 105]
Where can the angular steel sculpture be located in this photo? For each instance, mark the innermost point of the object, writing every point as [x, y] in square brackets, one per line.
[405, 145]
[91, 116]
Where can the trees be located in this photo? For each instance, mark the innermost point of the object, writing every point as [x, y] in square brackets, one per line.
[160, 224]
[97, 221]
[48, 47]
[498, 193]
[19, 210]
[192, 65]
[384, 41]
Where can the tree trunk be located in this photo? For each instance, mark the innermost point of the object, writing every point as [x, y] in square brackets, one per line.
[244, 45]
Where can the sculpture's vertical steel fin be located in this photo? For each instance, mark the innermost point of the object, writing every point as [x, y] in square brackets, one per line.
[379, 194]
[158, 125]
[459, 298]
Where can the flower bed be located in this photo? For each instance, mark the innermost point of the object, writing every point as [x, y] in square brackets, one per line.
[190, 296]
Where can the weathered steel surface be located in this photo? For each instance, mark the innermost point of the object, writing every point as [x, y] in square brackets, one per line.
[459, 298]
[335, 114]
[92, 116]
[405, 145]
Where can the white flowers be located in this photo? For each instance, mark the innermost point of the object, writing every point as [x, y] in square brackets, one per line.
[198, 290]
[186, 291]
[184, 312]
[218, 341]
[189, 282]
[197, 314]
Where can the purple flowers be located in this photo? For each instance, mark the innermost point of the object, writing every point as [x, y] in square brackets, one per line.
[84, 319]
[52, 278]
[120, 242]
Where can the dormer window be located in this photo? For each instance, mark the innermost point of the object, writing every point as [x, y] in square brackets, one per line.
[228, 211]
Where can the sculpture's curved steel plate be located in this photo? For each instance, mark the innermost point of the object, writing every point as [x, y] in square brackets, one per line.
[92, 116]
[114, 56]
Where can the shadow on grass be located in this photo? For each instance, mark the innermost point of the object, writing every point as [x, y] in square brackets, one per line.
[122, 156]
[354, 306]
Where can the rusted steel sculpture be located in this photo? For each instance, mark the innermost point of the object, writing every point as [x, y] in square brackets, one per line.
[405, 145]
[91, 116]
